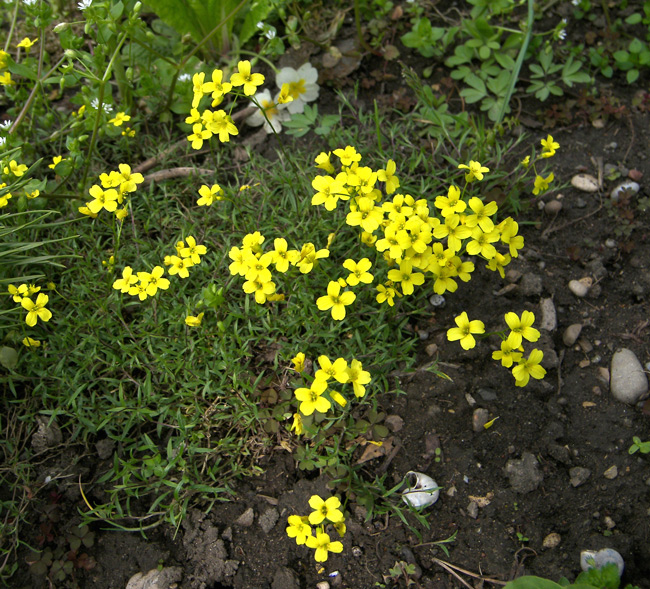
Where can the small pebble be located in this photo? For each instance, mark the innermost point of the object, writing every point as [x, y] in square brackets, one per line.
[552, 540]
[472, 510]
[513, 275]
[610, 524]
[610, 243]
[611, 472]
[571, 334]
[323, 585]
[549, 315]
[581, 287]
[628, 382]
[579, 475]
[479, 419]
[585, 182]
[431, 349]
[423, 334]
[553, 207]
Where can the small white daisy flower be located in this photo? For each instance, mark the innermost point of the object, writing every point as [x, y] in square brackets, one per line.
[302, 85]
[84, 4]
[275, 115]
[4, 125]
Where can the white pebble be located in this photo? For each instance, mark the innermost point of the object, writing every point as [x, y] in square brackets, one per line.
[581, 287]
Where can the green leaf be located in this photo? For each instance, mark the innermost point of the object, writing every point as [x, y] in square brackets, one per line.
[632, 76]
[530, 582]
[8, 357]
[257, 13]
[633, 19]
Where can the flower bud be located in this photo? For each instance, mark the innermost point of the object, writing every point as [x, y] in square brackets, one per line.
[137, 7]
[62, 26]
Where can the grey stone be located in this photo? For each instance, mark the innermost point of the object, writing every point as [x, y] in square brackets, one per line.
[487, 394]
[524, 474]
[531, 284]
[472, 509]
[268, 519]
[628, 383]
[549, 315]
[164, 578]
[571, 334]
[285, 578]
[246, 519]
[579, 475]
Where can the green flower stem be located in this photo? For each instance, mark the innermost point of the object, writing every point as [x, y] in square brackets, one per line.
[13, 25]
[100, 104]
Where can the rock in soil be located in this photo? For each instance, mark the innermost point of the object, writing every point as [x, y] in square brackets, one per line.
[285, 578]
[571, 334]
[156, 579]
[549, 315]
[579, 475]
[628, 382]
[524, 474]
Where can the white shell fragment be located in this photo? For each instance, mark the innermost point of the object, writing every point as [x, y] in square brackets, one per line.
[628, 188]
[424, 491]
[590, 559]
[585, 182]
[581, 287]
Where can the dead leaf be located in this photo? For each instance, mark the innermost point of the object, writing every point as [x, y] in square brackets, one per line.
[373, 451]
[588, 404]
[482, 501]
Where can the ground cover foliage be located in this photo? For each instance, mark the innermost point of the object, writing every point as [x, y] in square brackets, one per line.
[165, 334]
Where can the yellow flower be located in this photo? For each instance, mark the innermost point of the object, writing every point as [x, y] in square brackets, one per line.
[31, 343]
[549, 146]
[103, 199]
[209, 195]
[15, 168]
[5, 79]
[406, 277]
[387, 176]
[119, 119]
[127, 180]
[223, 126]
[359, 271]
[335, 300]
[244, 78]
[36, 310]
[328, 369]
[529, 367]
[465, 330]
[193, 321]
[26, 43]
[311, 399]
[475, 171]
[281, 256]
[450, 204]
[348, 155]
[297, 425]
[128, 279]
[56, 160]
[386, 294]
[521, 328]
[262, 290]
[327, 509]
[284, 97]
[298, 529]
[322, 544]
[121, 213]
[309, 256]
[508, 352]
[298, 362]
[179, 266]
[128, 132]
[526, 162]
[323, 162]
[482, 214]
[338, 398]
[358, 377]
[198, 136]
[4, 57]
[193, 251]
[541, 184]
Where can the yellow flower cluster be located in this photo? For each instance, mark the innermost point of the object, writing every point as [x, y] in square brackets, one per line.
[209, 122]
[147, 284]
[511, 351]
[251, 262]
[35, 309]
[326, 511]
[549, 147]
[313, 399]
[414, 241]
[115, 186]
[5, 75]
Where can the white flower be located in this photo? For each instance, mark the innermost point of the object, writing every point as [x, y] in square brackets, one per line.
[29, 2]
[562, 34]
[302, 85]
[260, 25]
[3, 140]
[84, 4]
[4, 125]
[270, 34]
[94, 103]
[184, 78]
[275, 115]
[575, 2]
